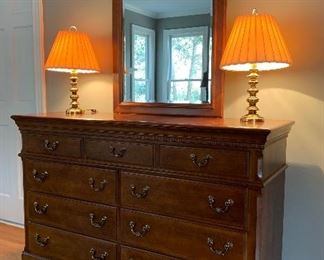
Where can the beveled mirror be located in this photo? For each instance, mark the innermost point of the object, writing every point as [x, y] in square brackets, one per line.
[167, 55]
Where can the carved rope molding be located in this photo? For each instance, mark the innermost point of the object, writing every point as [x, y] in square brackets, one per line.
[213, 138]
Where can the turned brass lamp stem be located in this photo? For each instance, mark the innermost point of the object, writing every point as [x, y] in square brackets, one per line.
[74, 105]
[252, 114]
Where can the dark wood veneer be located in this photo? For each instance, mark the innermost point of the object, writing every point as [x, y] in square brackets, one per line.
[73, 182]
[112, 151]
[65, 245]
[180, 238]
[207, 161]
[184, 199]
[138, 254]
[248, 168]
[73, 215]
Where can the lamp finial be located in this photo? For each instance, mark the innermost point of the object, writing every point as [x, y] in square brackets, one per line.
[73, 28]
[254, 11]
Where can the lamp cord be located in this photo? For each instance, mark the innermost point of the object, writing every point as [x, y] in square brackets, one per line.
[91, 111]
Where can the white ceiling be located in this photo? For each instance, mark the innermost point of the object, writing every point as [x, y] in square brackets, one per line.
[169, 8]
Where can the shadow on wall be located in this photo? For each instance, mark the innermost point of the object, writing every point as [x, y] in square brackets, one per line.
[304, 213]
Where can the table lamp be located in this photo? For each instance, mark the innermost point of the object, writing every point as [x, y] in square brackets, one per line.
[255, 44]
[73, 53]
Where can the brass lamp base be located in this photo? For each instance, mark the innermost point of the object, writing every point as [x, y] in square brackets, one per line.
[252, 118]
[74, 108]
[252, 115]
[74, 111]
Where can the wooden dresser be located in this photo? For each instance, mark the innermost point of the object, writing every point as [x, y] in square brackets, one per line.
[144, 187]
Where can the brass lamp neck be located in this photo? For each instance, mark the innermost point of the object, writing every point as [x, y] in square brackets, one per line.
[252, 114]
[74, 108]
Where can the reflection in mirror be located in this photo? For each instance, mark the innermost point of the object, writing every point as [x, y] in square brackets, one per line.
[167, 51]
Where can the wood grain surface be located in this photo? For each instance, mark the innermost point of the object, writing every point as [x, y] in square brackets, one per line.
[11, 242]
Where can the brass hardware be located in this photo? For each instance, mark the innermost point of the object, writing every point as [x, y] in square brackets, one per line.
[40, 210]
[94, 257]
[51, 146]
[117, 154]
[74, 108]
[252, 115]
[145, 229]
[41, 241]
[200, 163]
[139, 195]
[101, 186]
[220, 252]
[97, 223]
[228, 203]
[39, 176]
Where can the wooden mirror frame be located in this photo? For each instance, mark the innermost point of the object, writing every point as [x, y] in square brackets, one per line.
[214, 109]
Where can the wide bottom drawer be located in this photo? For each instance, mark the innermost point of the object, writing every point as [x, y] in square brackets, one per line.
[56, 244]
[179, 238]
[128, 253]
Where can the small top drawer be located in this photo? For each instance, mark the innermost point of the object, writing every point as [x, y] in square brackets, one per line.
[52, 145]
[80, 182]
[203, 202]
[205, 161]
[119, 152]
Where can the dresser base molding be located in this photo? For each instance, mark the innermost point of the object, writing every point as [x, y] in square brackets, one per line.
[28, 256]
[146, 187]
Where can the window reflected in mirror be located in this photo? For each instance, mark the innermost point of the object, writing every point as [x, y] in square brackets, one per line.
[167, 51]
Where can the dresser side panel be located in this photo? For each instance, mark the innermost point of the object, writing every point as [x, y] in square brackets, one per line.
[270, 219]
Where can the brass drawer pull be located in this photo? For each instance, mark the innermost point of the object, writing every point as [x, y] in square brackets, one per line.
[94, 257]
[40, 210]
[139, 195]
[101, 186]
[220, 252]
[117, 154]
[200, 163]
[228, 203]
[51, 146]
[97, 223]
[39, 176]
[41, 241]
[145, 229]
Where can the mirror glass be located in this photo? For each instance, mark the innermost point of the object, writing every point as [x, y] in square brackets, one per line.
[167, 51]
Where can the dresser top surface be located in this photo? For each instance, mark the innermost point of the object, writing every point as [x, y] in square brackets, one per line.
[175, 121]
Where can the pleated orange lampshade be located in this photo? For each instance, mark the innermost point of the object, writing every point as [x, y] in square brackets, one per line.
[255, 42]
[72, 51]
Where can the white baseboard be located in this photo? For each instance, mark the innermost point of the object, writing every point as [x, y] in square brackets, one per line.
[11, 224]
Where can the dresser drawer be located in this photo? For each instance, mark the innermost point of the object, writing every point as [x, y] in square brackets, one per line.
[73, 215]
[180, 238]
[128, 253]
[204, 161]
[52, 145]
[56, 244]
[119, 152]
[211, 203]
[86, 183]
